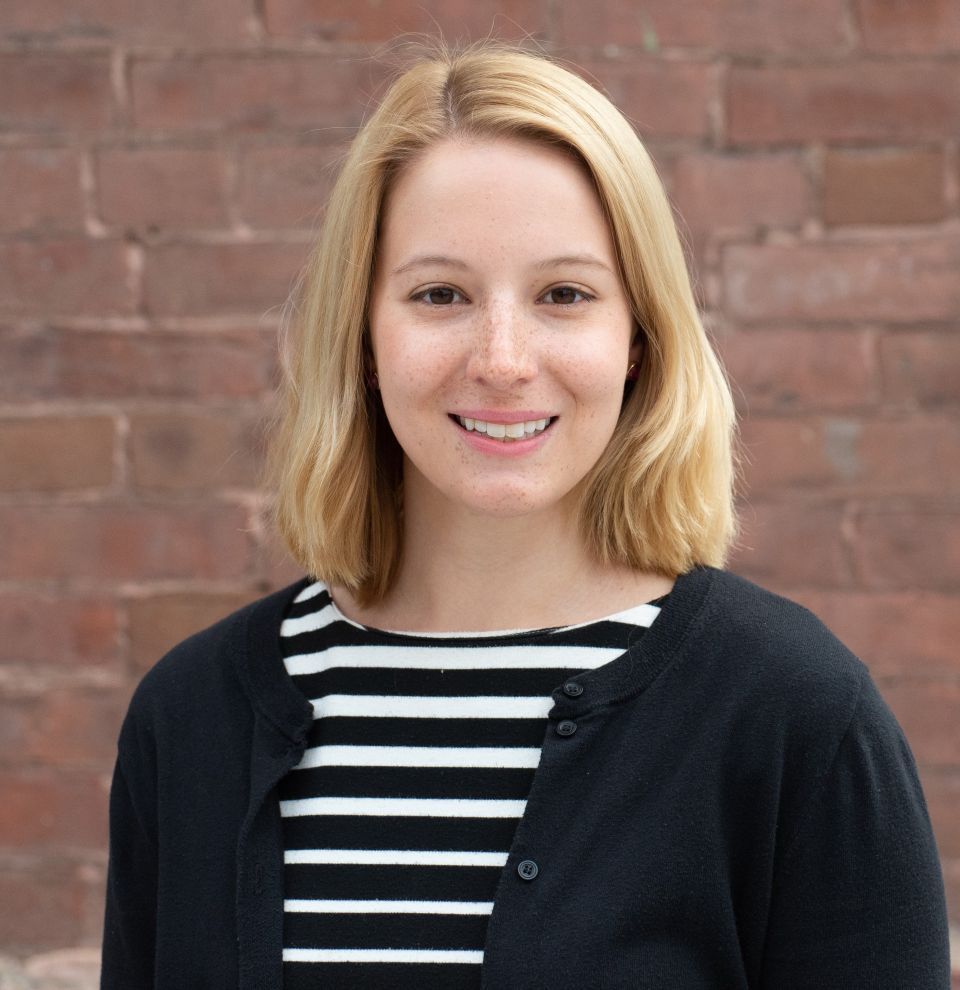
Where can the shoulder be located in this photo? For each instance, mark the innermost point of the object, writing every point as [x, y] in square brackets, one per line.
[776, 663]
[769, 632]
[791, 699]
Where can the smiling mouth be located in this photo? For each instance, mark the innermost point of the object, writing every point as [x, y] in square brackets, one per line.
[504, 432]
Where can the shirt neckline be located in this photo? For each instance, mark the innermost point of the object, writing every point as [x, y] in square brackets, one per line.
[272, 692]
[492, 634]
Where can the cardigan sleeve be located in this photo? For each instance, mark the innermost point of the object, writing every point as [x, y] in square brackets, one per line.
[130, 916]
[858, 898]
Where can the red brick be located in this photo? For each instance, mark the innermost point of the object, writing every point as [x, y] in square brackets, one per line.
[343, 20]
[853, 456]
[162, 187]
[899, 281]
[119, 20]
[160, 622]
[47, 904]
[47, 630]
[902, 26]
[887, 187]
[111, 542]
[53, 452]
[786, 454]
[65, 276]
[717, 195]
[798, 370]
[929, 712]
[200, 279]
[30, 362]
[920, 368]
[184, 451]
[917, 456]
[61, 727]
[41, 190]
[43, 809]
[910, 547]
[230, 365]
[55, 92]
[850, 101]
[287, 187]
[942, 791]
[951, 876]
[791, 544]
[69, 364]
[77, 966]
[251, 92]
[894, 633]
[661, 99]
[724, 25]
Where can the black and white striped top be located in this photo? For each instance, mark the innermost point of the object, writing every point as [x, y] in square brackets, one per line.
[399, 818]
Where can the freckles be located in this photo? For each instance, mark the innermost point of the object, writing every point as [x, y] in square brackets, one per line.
[423, 367]
[414, 362]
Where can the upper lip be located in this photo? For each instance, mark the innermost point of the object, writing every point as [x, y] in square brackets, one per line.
[504, 415]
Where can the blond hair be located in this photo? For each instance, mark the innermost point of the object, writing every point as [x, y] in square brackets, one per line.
[659, 499]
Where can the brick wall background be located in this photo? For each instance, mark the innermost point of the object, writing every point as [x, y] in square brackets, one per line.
[162, 166]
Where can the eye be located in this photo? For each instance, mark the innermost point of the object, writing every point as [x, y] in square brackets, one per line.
[441, 295]
[566, 292]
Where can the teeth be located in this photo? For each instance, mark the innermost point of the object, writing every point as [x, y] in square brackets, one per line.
[505, 431]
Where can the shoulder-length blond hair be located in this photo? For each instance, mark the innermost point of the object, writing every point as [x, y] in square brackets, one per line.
[661, 496]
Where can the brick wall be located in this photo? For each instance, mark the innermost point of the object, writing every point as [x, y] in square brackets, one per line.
[162, 167]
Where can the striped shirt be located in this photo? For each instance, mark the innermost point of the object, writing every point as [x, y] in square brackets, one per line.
[399, 818]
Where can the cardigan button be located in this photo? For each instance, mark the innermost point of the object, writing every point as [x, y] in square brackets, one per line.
[566, 727]
[527, 869]
[572, 689]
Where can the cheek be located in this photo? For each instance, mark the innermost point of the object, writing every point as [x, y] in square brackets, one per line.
[594, 374]
[408, 364]
[413, 385]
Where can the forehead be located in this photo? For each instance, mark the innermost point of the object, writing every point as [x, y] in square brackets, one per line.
[461, 189]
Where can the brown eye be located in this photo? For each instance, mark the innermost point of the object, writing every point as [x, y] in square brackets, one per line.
[439, 295]
[565, 295]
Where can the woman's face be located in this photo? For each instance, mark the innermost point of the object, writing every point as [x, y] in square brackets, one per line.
[496, 304]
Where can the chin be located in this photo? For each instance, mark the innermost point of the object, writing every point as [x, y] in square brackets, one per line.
[508, 504]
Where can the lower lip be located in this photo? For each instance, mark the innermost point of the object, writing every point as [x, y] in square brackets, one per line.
[512, 448]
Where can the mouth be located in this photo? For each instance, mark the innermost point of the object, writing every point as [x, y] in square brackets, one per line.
[504, 432]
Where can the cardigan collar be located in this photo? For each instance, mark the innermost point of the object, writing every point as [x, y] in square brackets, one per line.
[259, 663]
[274, 695]
[633, 672]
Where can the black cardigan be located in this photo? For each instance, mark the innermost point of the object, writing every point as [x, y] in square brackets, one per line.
[735, 806]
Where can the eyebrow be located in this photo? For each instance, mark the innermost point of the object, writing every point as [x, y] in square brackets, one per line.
[442, 259]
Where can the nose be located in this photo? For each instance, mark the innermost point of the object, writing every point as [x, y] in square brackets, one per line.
[502, 353]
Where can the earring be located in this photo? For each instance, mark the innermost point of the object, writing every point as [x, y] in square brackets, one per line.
[373, 381]
[633, 372]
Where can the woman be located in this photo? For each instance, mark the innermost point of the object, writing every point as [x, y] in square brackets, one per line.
[517, 728]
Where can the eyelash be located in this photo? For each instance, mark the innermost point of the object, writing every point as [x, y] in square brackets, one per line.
[420, 296]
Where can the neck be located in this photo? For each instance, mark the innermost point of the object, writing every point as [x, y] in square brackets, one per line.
[473, 572]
